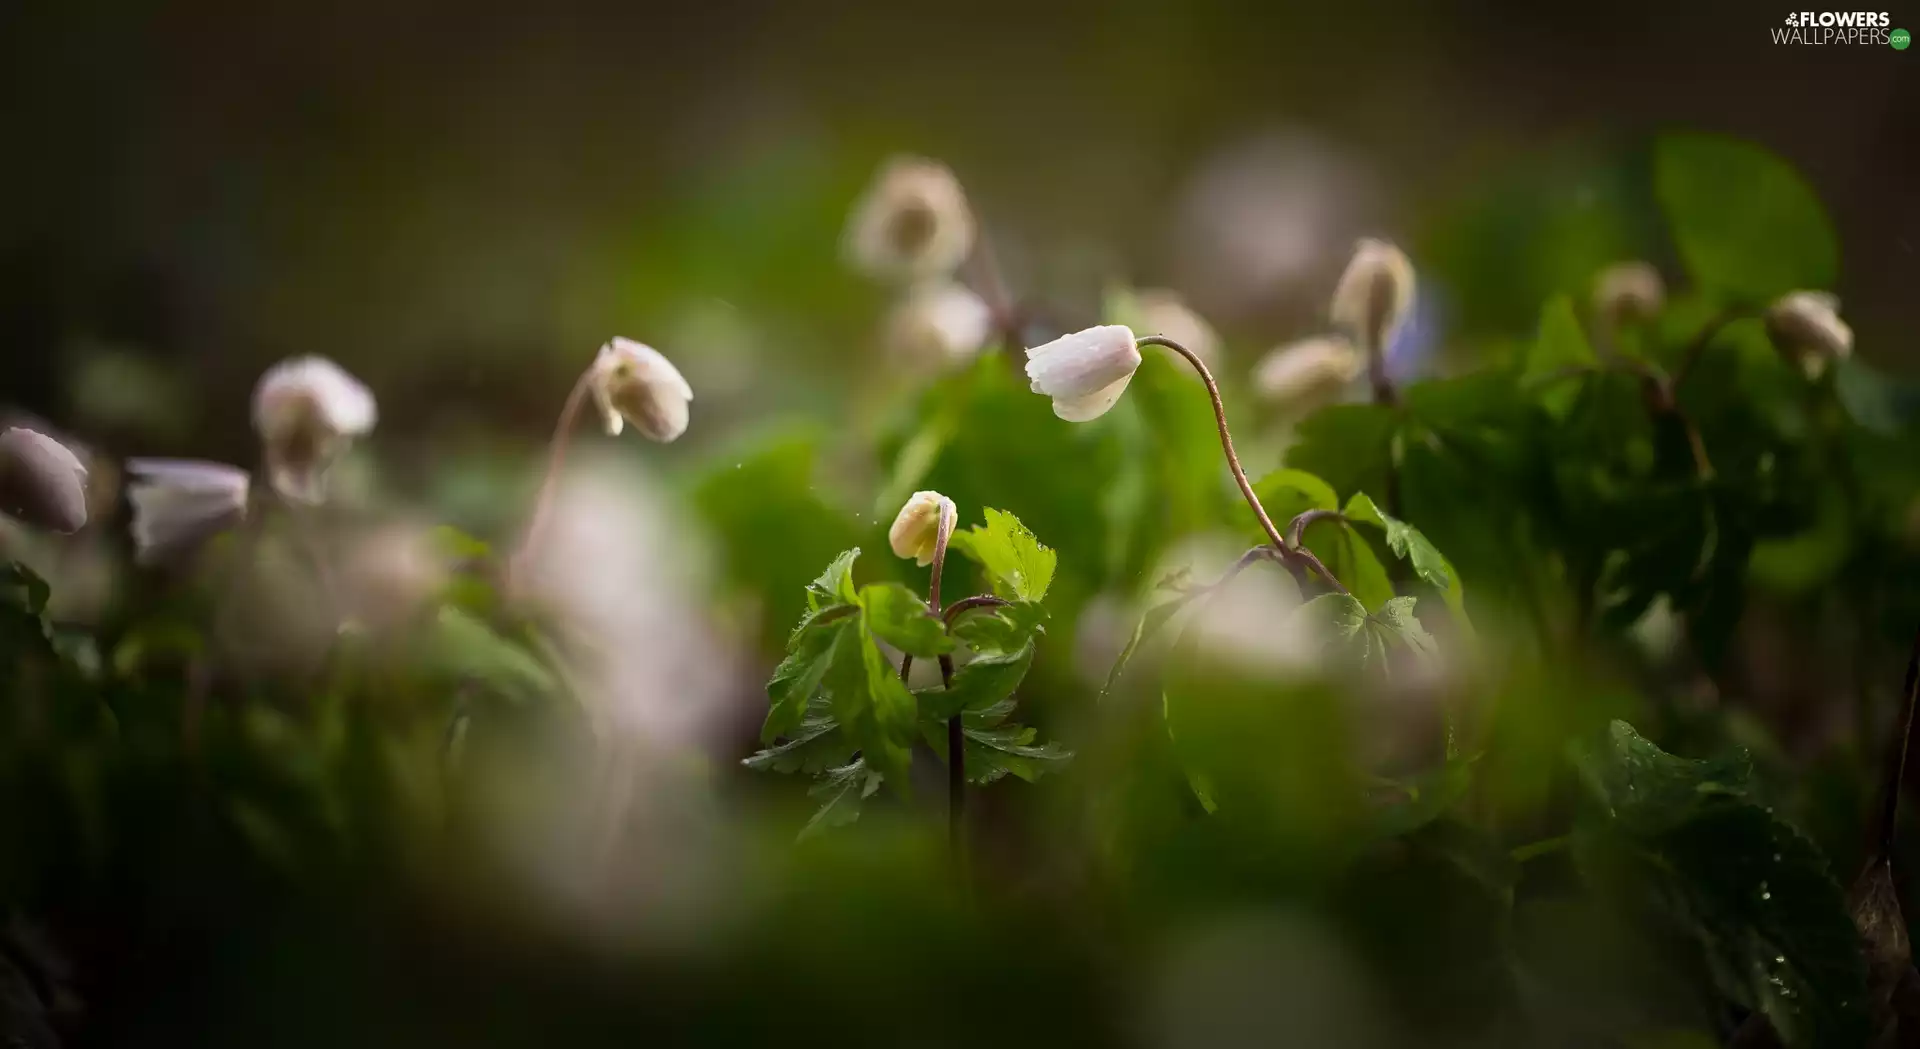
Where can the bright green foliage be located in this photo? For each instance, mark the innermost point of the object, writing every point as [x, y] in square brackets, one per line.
[1021, 568]
[838, 708]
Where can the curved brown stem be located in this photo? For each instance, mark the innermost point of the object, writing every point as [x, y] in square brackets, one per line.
[556, 457]
[1298, 526]
[968, 604]
[1287, 553]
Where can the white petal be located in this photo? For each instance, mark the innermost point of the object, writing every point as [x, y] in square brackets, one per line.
[920, 191]
[1093, 405]
[178, 503]
[1085, 362]
[303, 389]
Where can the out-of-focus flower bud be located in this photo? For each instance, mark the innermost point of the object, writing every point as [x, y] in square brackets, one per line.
[939, 323]
[180, 503]
[1629, 293]
[391, 575]
[307, 410]
[633, 382]
[913, 222]
[1308, 372]
[42, 482]
[916, 529]
[1086, 372]
[1805, 327]
[1374, 295]
[1164, 312]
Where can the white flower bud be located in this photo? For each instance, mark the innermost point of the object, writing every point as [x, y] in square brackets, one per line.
[1629, 292]
[1309, 371]
[916, 529]
[1805, 327]
[1164, 312]
[912, 222]
[634, 383]
[941, 323]
[1374, 295]
[41, 481]
[307, 410]
[180, 503]
[1085, 372]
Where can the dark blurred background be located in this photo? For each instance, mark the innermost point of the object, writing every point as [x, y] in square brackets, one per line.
[460, 204]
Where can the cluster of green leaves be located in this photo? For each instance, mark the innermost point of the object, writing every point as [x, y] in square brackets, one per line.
[840, 709]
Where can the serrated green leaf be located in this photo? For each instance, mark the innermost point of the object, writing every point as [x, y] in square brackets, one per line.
[1151, 622]
[814, 746]
[1020, 567]
[841, 794]
[835, 584]
[1005, 629]
[1649, 789]
[1403, 626]
[871, 703]
[980, 684]
[1747, 224]
[811, 650]
[1409, 544]
[897, 616]
[994, 752]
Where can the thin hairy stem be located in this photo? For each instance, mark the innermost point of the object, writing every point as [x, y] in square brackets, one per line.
[1233, 463]
[956, 733]
[549, 484]
[1298, 526]
[968, 604]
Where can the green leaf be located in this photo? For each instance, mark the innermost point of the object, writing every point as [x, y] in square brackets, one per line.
[978, 685]
[1747, 224]
[1020, 567]
[841, 794]
[1341, 615]
[871, 703]
[1683, 845]
[1410, 545]
[1561, 344]
[814, 746]
[1351, 560]
[897, 616]
[1000, 630]
[1348, 446]
[462, 646]
[994, 752]
[1151, 622]
[1647, 788]
[1400, 624]
[810, 652]
[1288, 493]
[834, 586]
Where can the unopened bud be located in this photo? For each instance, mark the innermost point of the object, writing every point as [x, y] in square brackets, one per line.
[1629, 293]
[916, 530]
[1374, 295]
[42, 482]
[913, 222]
[1805, 327]
[1085, 372]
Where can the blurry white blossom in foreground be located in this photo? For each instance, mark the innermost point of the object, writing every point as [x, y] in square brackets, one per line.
[307, 410]
[1085, 372]
[42, 482]
[912, 223]
[390, 575]
[938, 325]
[180, 503]
[635, 383]
[625, 587]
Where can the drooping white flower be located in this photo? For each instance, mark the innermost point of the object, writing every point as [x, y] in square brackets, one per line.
[1164, 312]
[1306, 372]
[1085, 372]
[1374, 295]
[1805, 327]
[180, 503]
[307, 410]
[1629, 292]
[41, 481]
[939, 323]
[913, 222]
[916, 528]
[635, 383]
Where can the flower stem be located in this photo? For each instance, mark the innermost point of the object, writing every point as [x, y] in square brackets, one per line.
[956, 735]
[1291, 555]
[556, 457]
[968, 604]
